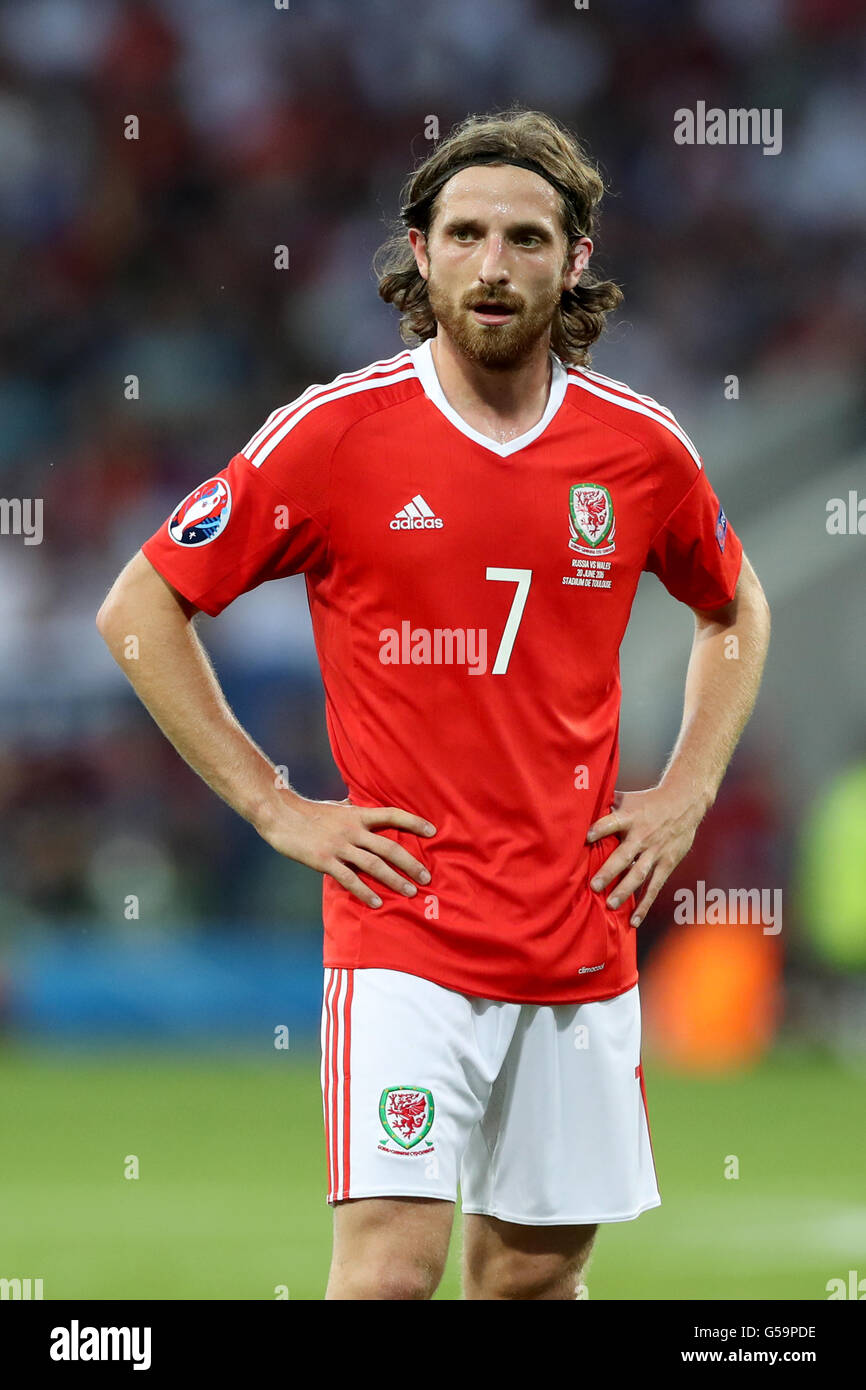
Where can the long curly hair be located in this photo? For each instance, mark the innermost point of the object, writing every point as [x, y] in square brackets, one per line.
[580, 317]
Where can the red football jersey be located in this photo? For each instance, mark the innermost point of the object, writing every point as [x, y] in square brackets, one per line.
[468, 601]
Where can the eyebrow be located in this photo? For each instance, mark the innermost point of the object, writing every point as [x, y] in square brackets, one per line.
[455, 224]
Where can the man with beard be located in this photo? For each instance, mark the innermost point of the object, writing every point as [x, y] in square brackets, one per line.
[481, 1019]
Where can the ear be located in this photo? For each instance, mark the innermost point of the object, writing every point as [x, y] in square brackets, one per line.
[578, 260]
[418, 242]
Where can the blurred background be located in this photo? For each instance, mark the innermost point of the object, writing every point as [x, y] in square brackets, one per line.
[151, 946]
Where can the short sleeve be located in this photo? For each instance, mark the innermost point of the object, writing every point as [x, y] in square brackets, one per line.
[695, 551]
[238, 529]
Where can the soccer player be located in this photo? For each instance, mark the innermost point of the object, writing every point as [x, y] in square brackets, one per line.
[472, 517]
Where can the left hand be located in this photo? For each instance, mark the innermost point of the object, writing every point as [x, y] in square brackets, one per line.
[657, 828]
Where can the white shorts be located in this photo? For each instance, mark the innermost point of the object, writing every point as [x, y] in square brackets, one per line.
[538, 1110]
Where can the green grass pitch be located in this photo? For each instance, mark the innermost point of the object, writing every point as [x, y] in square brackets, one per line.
[230, 1202]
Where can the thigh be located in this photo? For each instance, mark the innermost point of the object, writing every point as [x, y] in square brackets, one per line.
[405, 1078]
[505, 1260]
[565, 1138]
[389, 1247]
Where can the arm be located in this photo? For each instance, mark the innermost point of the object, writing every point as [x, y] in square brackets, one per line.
[173, 677]
[658, 825]
[722, 684]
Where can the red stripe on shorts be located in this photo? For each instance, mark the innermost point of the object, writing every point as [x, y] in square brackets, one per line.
[347, 1072]
[335, 1081]
[328, 1075]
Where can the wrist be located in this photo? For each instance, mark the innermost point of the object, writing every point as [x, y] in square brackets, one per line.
[274, 806]
[698, 795]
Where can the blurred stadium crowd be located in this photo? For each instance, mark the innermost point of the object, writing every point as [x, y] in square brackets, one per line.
[154, 256]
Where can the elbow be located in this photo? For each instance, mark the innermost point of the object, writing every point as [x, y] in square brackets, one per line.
[751, 591]
[106, 618]
[765, 609]
[760, 603]
[760, 620]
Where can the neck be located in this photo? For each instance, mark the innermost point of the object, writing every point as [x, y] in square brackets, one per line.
[509, 400]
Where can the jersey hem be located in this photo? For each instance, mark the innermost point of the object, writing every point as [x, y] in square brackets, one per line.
[474, 994]
[723, 602]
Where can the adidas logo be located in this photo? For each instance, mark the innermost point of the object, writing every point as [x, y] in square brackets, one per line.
[416, 516]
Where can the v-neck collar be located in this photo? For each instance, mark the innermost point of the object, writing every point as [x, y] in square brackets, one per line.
[422, 358]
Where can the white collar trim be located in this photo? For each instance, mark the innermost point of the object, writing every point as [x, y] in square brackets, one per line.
[422, 358]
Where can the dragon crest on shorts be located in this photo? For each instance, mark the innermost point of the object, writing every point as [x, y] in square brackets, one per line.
[407, 1114]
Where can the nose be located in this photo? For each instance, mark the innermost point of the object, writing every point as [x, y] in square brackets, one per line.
[493, 268]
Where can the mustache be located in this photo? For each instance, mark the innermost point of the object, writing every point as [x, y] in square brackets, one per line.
[492, 299]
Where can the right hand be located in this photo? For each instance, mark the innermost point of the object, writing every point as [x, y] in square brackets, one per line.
[333, 836]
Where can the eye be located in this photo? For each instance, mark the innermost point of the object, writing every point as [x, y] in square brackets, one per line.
[461, 232]
[528, 237]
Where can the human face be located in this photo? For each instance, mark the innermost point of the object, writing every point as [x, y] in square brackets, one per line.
[496, 262]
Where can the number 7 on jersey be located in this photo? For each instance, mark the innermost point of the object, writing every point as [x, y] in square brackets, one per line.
[522, 578]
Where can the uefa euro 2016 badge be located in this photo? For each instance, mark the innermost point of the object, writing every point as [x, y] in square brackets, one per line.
[202, 514]
[407, 1114]
[591, 519]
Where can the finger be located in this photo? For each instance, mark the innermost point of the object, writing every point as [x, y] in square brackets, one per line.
[637, 874]
[616, 863]
[377, 868]
[648, 897]
[350, 881]
[608, 825]
[371, 816]
[396, 855]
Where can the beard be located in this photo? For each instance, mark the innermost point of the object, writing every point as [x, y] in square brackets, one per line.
[493, 345]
